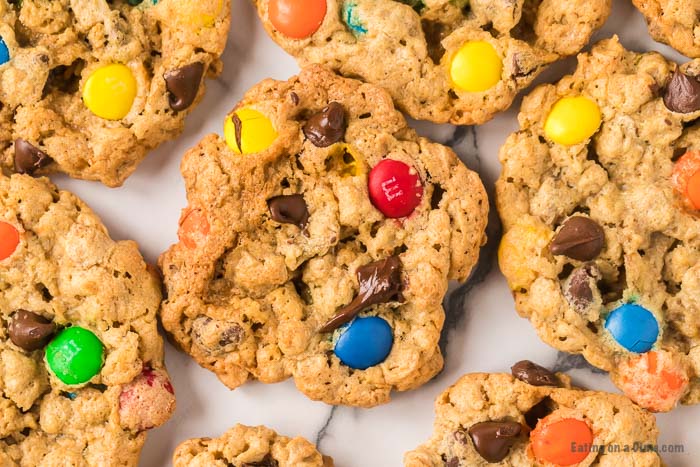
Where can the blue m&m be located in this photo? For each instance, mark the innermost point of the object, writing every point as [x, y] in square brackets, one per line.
[4, 52]
[364, 343]
[352, 19]
[633, 327]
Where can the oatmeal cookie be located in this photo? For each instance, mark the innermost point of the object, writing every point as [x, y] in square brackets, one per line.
[318, 243]
[676, 23]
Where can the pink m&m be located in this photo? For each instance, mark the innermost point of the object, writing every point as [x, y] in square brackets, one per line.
[395, 188]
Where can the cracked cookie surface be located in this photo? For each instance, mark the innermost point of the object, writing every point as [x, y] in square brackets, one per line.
[472, 416]
[441, 60]
[347, 216]
[602, 228]
[88, 87]
[245, 446]
[63, 278]
[674, 23]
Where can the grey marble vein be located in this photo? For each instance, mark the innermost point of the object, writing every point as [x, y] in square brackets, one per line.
[566, 362]
[324, 429]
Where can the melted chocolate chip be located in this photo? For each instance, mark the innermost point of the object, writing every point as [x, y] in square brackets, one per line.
[683, 93]
[460, 437]
[30, 331]
[579, 238]
[295, 98]
[380, 282]
[290, 209]
[538, 411]
[267, 461]
[238, 129]
[29, 159]
[493, 440]
[326, 127]
[580, 288]
[216, 337]
[534, 374]
[183, 85]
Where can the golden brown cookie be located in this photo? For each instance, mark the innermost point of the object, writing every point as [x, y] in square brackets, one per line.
[88, 87]
[451, 61]
[323, 252]
[245, 446]
[81, 362]
[676, 23]
[535, 418]
[600, 198]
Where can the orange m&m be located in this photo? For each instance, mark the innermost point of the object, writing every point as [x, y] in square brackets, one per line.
[194, 227]
[566, 441]
[9, 239]
[686, 177]
[297, 19]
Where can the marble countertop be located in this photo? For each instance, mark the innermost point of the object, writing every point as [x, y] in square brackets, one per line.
[482, 331]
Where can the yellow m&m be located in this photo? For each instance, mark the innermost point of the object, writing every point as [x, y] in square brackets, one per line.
[248, 131]
[476, 67]
[572, 120]
[110, 91]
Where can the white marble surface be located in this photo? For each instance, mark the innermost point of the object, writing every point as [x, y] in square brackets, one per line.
[483, 333]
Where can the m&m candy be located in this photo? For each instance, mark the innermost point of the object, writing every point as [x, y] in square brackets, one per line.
[110, 91]
[248, 131]
[634, 327]
[4, 52]
[75, 355]
[686, 178]
[9, 239]
[297, 19]
[395, 188]
[352, 18]
[194, 227]
[364, 343]
[476, 67]
[656, 380]
[561, 442]
[572, 120]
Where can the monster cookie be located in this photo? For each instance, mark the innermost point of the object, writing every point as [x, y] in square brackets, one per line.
[81, 361]
[676, 23]
[454, 61]
[244, 446]
[318, 243]
[88, 87]
[600, 201]
[534, 418]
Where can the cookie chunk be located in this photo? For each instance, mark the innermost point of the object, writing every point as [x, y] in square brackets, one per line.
[600, 201]
[674, 23]
[245, 446]
[81, 361]
[318, 243]
[451, 61]
[88, 87]
[535, 418]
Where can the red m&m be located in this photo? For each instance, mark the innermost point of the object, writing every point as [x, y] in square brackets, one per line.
[686, 178]
[395, 188]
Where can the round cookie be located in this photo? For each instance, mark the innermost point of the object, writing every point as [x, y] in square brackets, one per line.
[245, 446]
[535, 418]
[453, 61]
[599, 201]
[326, 255]
[88, 87]
[81, 362]
[674, 23]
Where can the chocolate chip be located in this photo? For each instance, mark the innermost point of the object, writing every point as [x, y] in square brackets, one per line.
[267, 461]
[216, 337]
[29, 159]
[493, 440]
[454, 462]
[460, 437]
[295, 98]
[579, 238]
[183, 85]
[30, 331]
[380, 282]
[538, 411]
[326, 127]
[534, 374]
[231, 336]
[238, 129]
[683, 93]
[290, 209]
[580, 288]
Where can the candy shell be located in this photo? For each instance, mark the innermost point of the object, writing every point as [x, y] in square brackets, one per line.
[572, 120]
[248, 131]
[4, 52]
[476, 67]
[656, 380]
[364, 343]
[352, 19]
[297, 19]
[75, 355]
[9, 240]
[556, 441]
[110, 91]
[634, 327]
[395, 188]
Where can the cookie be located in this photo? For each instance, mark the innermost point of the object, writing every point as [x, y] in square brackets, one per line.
[600, 197]
[318, 243]
[453, 61]
[535, 418]
[674, 23]
[88, 87]
[246, 446]
[81, 362]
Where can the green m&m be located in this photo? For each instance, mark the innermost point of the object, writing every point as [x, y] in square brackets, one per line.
[75, 355]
